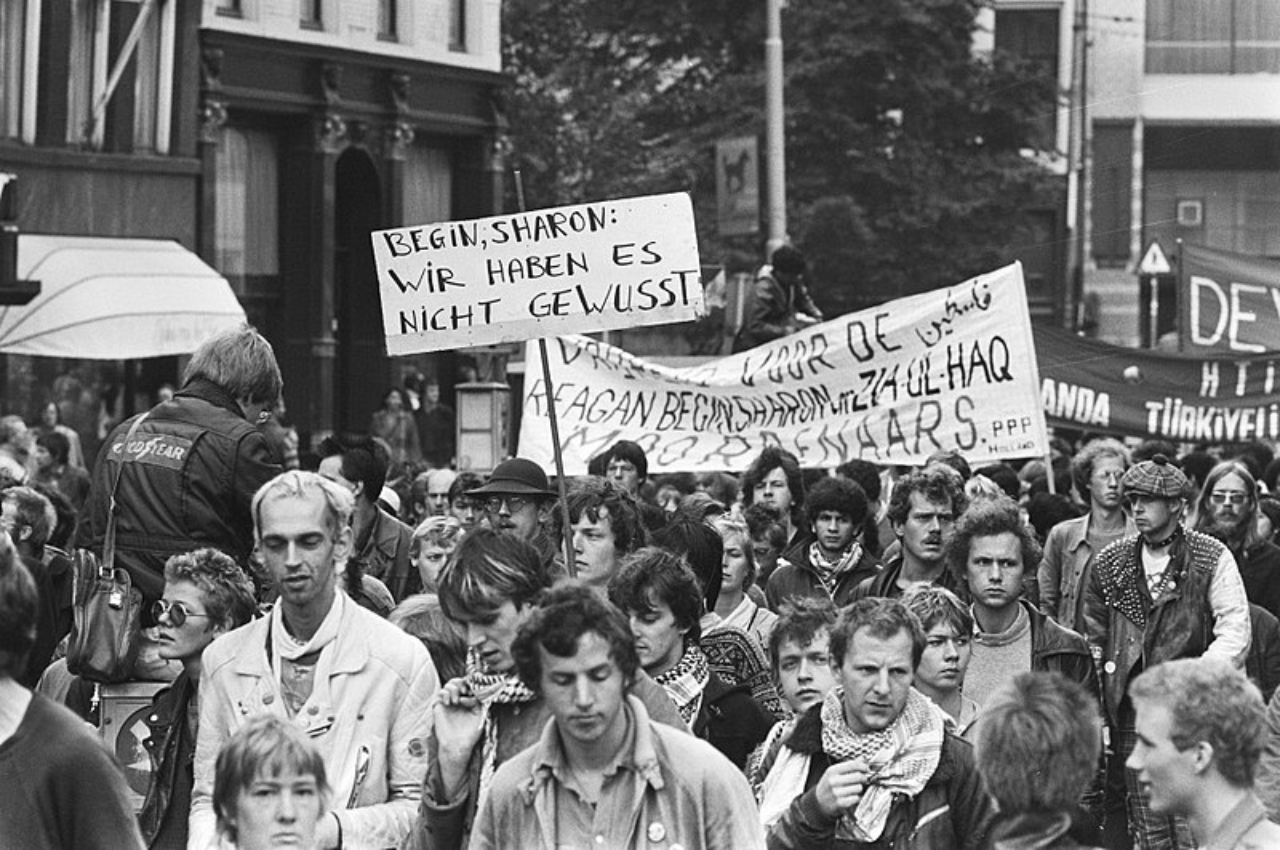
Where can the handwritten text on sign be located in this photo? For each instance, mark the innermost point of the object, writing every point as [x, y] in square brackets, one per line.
[950, 369]
[615, 264]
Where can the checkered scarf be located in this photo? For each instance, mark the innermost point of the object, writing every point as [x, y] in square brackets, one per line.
[830, 569]
[493, 689]
[900, 759]
[686, 681]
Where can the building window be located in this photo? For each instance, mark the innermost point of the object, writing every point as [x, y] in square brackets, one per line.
[13, 61]
[140, 105]
[247, 228]
[388, 24]
[229, 8]
[1032, 36]
[458, 25]
[1215, 186]
[1213, 37]
[311, 14]
[428, 185]
[1112, 200]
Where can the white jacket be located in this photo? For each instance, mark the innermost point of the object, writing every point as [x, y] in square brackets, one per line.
[368, 718]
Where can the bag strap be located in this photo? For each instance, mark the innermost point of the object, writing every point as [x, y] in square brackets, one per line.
[107, 568]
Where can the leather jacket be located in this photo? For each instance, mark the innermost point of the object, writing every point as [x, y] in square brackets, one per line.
[163, 819]
[799, 578]
[191, 472]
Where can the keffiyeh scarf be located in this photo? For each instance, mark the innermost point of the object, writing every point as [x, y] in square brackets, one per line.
[493, 689]
[900, 759]
[829, 569]
[685, 682]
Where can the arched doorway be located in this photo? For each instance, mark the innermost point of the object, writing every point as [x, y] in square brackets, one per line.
[361, 371]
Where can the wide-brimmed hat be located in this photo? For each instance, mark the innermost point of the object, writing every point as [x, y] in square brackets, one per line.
[1156, 477]
[515, 476]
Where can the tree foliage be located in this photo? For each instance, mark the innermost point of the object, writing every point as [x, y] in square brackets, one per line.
[904, 169]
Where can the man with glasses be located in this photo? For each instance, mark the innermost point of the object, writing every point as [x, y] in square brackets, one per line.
[1072, 545]
[205, 596]
[359, 687]
[1228, 509]
[519, 501]
[923, 510]
[1165, 593]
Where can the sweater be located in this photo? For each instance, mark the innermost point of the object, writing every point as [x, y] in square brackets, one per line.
[60, 787]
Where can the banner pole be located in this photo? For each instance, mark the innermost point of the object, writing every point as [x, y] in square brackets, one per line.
[566, 542]
[1179, 284]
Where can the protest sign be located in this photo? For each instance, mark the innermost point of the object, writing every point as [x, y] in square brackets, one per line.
[950, 369]
[1228, 303]
[1147, 394]
[593, 267]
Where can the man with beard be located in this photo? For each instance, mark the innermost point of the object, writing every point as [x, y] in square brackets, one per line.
[1071, 546]
[923, 510]
[518, 500]
[1228, 510]
[1163, 594]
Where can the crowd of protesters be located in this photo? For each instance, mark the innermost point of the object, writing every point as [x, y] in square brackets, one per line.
[355, 645]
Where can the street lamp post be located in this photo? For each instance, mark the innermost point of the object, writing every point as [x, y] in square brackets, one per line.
[775, 137]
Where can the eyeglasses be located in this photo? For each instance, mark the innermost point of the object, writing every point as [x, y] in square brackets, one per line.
[176, 611]
[1234, 497]
[515, 504]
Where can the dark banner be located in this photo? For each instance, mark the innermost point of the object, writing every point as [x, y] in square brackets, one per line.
[1228, 303]
[1093, 386]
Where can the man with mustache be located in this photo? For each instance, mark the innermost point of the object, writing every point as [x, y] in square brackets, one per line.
[923, 510]
[518, 500]
[1227, 508]
[1163, 594]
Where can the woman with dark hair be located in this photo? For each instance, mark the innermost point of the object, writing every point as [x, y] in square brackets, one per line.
[394, 423]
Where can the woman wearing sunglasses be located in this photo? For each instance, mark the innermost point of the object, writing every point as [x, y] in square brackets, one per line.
[205, 595]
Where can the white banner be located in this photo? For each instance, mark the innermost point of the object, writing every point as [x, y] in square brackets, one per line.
[595, 267]
[950, 369]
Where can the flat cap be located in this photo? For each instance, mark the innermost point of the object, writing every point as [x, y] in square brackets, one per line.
[1156, 477]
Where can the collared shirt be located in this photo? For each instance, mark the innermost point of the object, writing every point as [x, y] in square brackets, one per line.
[1244, 828]
[664, 788]
[577, 815]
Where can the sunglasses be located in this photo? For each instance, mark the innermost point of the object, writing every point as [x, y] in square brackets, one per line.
[514, 503]
[1222, 498]
[176, 611]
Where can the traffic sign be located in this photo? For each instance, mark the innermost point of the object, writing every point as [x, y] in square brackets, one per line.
[1154, 261]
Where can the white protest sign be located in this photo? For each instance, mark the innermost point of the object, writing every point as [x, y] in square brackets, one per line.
[950, 369]
[593, 267]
